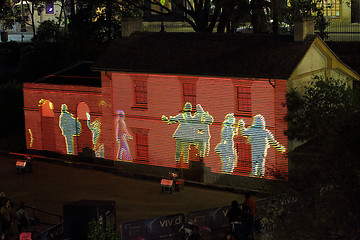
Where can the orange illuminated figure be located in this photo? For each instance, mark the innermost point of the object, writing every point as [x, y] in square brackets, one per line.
[95, 128]
[260, 139]
[122, 137]
[70, 127]
[192, 130]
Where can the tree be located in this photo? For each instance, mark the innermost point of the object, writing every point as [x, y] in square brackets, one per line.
[202, 15]
[325, 170]
[233, 12]
[6, 14]
[326, 102]
[299, 9]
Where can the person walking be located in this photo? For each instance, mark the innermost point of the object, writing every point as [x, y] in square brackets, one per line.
[22, 219]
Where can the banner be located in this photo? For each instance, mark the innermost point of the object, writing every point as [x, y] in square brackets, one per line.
[211, 219]
[165, 227]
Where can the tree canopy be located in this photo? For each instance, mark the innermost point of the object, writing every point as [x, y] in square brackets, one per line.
[324, 171]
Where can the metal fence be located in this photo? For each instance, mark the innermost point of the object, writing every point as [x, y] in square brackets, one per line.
[343, 32]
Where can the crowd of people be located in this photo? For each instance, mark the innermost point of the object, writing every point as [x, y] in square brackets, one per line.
[241, 219]
[241, 222]
[10, 214]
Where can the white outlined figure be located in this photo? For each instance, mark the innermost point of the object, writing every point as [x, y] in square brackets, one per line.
[95, 128]
[70, 127]
[260, 139]
[122, 137]
[202, 121]
[184, 134]
[226, 148]
[192, 130]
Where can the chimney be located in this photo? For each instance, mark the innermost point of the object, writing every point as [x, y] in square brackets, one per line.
[303, 27]
[130, 25]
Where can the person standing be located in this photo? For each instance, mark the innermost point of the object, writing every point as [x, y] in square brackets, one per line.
[195, 234]
[250, 202]
[5, 213]
[246, 228]
[234, 216]
[22, 219]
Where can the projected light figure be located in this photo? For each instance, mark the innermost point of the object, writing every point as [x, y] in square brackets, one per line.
[202, 120]
[70, 127]
[184, 134]
[122, 137]
[192, 130]
[260, 139]
[226, 148]
[95, 128]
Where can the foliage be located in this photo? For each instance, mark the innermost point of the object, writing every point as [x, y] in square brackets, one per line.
[300, 9]
[233, 12]
[323, 109]
[325, 170]
[6, 14]
[202, 15]
[260, 10]
[97, 232]
[48, 31]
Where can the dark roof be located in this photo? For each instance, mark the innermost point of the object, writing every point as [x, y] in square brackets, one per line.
[78, 74]
[348, 52]
[241, 55]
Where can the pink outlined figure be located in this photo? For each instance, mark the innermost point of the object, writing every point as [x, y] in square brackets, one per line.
[226, 148]
[260, 139]
[123, 135]
[70, 127]
[202, 120]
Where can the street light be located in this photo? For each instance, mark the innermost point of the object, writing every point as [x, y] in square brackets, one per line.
[162, 26]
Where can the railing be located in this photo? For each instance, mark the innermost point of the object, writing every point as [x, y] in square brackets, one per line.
[343, 32]
[41, 220]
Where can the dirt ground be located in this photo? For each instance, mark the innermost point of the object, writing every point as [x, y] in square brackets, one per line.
[50, 186]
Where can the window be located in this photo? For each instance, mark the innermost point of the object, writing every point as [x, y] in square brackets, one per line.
[188, 90]
[189, 93]
[244, 155]
[140, 90]
[331, 8]
[142, 146]
[243, 99]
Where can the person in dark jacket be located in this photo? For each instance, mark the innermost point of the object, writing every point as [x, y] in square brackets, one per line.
[246, 223]
[234, 216]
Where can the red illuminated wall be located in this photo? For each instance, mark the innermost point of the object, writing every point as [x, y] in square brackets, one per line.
[151, 141]
[42, 123]
[216, 95]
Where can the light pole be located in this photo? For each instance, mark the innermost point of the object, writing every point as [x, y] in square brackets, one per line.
[22, 24]
[162, 26]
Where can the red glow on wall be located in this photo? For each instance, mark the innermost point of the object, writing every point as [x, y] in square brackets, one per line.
[152, 140]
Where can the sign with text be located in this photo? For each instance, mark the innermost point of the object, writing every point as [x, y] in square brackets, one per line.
[153, 229]
[211, 219]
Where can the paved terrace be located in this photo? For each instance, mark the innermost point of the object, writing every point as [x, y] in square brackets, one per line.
[51, 185]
